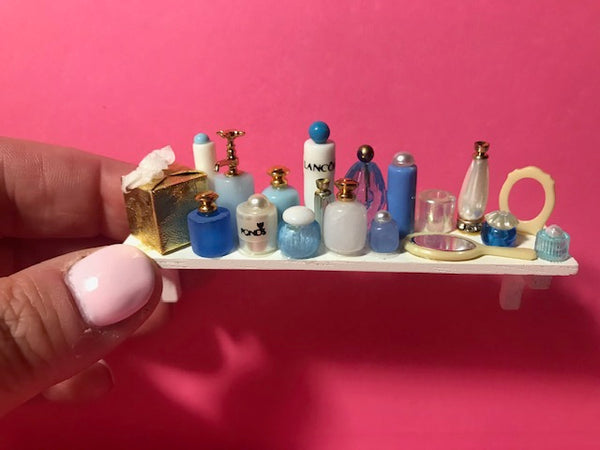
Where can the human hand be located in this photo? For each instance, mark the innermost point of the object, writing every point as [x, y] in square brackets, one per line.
[60, 316]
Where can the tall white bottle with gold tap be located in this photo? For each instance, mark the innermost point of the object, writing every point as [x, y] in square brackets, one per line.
[473, 196]
[345, 221]
[319, 160]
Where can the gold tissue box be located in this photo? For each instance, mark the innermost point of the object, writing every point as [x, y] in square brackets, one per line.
[157, 211]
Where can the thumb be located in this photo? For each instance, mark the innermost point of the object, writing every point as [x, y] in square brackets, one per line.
[61, 316]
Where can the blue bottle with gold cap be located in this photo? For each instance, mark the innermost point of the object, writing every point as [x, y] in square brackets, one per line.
[210, 227]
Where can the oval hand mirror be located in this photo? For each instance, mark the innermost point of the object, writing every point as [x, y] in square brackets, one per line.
[448, 247]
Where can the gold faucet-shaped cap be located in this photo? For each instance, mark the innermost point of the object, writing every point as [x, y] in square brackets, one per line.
[231, 161]
[481, 149]
[322, 186]
[278, 174]
[346, 187]
[207, 201]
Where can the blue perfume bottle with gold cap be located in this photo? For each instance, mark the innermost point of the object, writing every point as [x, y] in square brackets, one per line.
[280, 193]
[210, 227]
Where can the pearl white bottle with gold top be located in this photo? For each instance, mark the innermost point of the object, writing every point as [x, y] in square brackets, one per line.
[345, 221]
[473, 196]
[257, 226]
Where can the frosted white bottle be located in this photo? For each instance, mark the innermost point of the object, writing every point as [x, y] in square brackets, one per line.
[473, 196]
[345, 221]
[205, 157]
[319, 160]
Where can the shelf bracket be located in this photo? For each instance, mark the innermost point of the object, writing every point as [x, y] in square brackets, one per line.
[511, 289]
[171, 285]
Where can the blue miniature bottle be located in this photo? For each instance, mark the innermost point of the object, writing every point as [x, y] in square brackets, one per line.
[300, 235]
[371, 186]
[384, 236]
[279, 192]
[234, 187]
[402, 191]
[499, 229]
[210, 227]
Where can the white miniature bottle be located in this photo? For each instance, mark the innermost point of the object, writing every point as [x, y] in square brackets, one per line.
[205, 157]
[257, 226]
[319, 160]
[345, 221]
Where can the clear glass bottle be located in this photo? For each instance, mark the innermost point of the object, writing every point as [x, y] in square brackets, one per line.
[299, 235]
[233, 186]
[384, 236]
[371, 186]
[345, 221]
[473, 196]
[210, 227]
[257, 226]
[319, 159]
[323, 197]
[280, 193]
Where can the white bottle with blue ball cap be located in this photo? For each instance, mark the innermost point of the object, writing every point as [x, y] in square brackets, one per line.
[205, 157]
[319, 160]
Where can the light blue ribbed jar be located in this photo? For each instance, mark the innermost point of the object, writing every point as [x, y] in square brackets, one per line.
[552, 244]
[300, 235]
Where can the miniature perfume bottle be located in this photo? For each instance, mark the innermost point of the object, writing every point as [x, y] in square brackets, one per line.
[323, 197]
[300, 235]
[210, 227]
[371, 186]
[474, 192]
[257, 226]
[319, 159]
[401, 192]
[279, 192]
[205, 156]
[345, 221]
[234, 187]
[384, 236]
[552, 244]
[499, 229]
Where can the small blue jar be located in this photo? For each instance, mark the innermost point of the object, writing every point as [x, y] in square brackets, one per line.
[300, 235]
[384, 236]
[499, 229]
[210, 227]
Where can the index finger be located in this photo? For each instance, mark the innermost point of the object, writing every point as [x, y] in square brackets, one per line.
[48, 191]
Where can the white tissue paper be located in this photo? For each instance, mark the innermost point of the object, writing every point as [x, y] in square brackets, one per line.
[150, 168]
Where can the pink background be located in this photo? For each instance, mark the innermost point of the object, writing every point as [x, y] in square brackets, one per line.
[251, 361]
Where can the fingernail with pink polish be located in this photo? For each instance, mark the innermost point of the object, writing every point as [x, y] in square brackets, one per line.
[111, 284]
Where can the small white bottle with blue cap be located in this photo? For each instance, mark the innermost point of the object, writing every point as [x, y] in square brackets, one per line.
[319, 160]
[205, 157]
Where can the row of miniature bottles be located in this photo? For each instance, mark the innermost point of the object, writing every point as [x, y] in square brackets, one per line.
[298, 234]
[235, 186]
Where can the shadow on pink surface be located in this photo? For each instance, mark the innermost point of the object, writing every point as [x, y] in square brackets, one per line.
[238, 364]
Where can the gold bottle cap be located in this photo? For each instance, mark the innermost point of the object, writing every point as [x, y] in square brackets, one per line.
[278, 174]
[346, 187]
[481, 149]
[231, 161]
[323, 185]
[207, 201]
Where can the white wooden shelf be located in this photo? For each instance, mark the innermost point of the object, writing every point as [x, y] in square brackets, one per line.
[518, 273]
